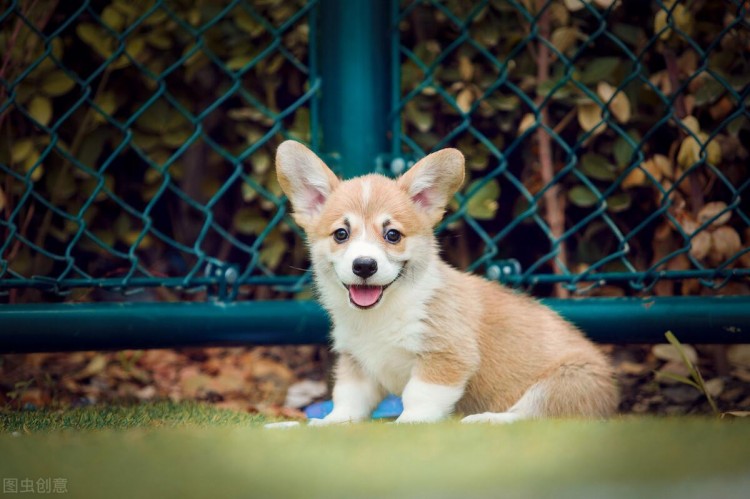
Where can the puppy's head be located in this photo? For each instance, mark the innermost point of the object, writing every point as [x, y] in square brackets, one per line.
[368, 232]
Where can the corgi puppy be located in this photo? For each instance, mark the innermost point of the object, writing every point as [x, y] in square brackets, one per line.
[407, 323]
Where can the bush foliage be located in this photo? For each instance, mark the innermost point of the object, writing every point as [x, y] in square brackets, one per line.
[136, 137]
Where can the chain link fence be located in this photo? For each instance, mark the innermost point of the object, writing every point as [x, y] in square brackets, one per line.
[137, 144]
[607, 143]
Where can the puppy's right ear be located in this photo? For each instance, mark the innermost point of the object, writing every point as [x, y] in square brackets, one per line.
[305, 179]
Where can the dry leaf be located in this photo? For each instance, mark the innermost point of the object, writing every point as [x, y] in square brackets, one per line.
[527, 121]
[691, 123]
[95, 366]
[690, 150]
[739, 355]
[590, 118]
[714, 386]
[619, 105]
[700, 245]
[737, 414]
[712, 209]
[677, 368]
[564, 37]
[3, 199]
[574, 5]
[725, 243]
[465, 68]
[666, 351]
[662, 164]
[635, 178]
[465, 99]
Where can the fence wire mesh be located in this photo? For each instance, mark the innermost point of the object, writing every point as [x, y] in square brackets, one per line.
[137, 143]
[607, 141]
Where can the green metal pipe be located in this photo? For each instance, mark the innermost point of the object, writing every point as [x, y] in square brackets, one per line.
[696, 319]
[113, 326]
[354, 64]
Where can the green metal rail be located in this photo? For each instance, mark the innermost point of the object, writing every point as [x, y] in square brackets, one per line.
[168, 194]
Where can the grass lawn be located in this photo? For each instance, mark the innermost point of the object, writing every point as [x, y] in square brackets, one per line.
[187, 450]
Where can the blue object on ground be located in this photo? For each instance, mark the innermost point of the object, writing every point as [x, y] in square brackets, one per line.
[390, 407]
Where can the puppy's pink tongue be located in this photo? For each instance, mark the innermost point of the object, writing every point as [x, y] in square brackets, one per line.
[365, 296]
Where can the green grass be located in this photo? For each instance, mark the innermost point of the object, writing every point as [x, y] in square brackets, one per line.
[169, 450]
[160, 414]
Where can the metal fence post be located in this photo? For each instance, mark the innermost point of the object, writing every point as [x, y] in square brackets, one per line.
[355, 68]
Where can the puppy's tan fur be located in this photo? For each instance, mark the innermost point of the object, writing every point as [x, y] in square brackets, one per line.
[446, 340]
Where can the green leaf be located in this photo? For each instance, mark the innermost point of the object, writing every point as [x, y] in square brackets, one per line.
[708, 92]
[582, 196]
[21, 150]
[93, 36]
[619, 202]
[40, 108]
[261, 162]
[113, 18]
[92, 146]
[598, 167]
[57, 83]
[483, 203]
[422, 120]
[247, 221]
[599, 69]
[247, 23]
[273, 250]
[622, 151]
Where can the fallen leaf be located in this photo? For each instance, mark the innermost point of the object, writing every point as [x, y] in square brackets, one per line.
[739, 355]
[714, 386]
[665, 351]
[672, 368]
[95, 366]
[737, 414]
[634, 368]
[304, 392]
[714, 209]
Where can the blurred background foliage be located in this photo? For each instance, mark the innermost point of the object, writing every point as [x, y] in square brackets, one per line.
[137, 137]
[152, 127]
[636, 110]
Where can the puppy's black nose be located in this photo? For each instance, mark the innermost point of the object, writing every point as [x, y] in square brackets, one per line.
[364, 267]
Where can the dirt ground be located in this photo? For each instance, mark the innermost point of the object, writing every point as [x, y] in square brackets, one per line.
[279, 381]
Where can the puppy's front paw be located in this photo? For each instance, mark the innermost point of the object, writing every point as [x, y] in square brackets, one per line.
[493, 418]
[416, 418]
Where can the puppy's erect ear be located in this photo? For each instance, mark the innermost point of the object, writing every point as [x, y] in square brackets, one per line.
[433, 180]
[305, 179]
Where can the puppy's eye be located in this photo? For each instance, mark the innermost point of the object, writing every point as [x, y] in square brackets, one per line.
[393, 236]
[341, 235]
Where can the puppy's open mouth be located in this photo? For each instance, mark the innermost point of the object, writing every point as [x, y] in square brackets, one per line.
[365, 296]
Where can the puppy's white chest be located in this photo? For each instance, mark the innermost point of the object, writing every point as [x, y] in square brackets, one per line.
[386, 352]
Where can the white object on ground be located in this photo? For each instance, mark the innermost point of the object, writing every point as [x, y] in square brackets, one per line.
[281, 424]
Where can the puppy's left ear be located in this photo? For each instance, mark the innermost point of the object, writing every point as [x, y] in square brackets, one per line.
[433, 180]
[305, 179]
